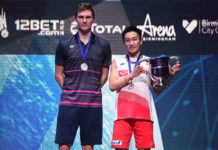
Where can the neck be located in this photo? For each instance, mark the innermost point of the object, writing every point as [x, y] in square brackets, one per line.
[84, 36]
[134, 55]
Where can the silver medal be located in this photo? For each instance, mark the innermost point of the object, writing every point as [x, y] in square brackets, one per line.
[130, 86]
[84, 66]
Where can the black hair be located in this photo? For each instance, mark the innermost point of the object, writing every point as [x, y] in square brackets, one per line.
[132, 29]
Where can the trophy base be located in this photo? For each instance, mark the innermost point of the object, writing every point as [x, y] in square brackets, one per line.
[160, 82]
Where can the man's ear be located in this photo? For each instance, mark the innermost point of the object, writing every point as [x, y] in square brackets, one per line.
[141, 41]
[124, 44]
[93, 20]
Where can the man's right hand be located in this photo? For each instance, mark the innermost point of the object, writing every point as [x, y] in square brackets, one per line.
[137, 71]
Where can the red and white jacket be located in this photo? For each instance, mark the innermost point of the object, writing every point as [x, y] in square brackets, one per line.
[137, 102]
[134, 102]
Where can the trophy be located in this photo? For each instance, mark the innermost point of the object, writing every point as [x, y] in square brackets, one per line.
[160, 69]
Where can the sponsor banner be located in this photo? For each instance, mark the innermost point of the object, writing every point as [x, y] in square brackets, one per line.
[172, 28]
[3, 24]
[176, 27]
[46, 27]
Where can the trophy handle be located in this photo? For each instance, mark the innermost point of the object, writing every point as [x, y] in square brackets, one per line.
[152, 78]
[174, 58]
[155, 81]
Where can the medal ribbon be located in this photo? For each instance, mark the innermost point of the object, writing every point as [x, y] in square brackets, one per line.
[87, 48]
[136, 63]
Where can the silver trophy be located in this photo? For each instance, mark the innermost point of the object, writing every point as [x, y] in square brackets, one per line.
[160, 69]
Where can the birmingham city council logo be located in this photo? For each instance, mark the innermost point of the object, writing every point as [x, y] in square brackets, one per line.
[3, 25]
[189, 26]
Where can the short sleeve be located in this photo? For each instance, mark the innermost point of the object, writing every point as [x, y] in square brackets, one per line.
[107, 55]
[59, 55]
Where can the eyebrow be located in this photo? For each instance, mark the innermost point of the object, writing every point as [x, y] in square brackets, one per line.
[132, 38]
[84, 16]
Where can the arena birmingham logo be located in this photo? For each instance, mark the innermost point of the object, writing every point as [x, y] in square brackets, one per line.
[205, 26]
[3, 24]
[157, 33]
[154, 33]
[46, 27]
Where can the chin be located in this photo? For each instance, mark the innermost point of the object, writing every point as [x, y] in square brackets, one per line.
[85, 29]
[132, 51]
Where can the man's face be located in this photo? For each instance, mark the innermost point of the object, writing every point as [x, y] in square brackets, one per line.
[132, 42]
[84, 20]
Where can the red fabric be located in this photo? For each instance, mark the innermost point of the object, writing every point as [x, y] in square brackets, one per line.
[123, 73]
[123, 130]
[131, 105]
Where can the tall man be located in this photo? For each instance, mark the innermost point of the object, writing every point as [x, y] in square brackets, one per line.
[81, 69]
[134, 104]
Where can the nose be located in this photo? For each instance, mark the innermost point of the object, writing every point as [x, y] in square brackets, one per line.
[131, 42]
[84, 19]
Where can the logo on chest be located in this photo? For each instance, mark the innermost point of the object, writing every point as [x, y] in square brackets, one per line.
[123, 72]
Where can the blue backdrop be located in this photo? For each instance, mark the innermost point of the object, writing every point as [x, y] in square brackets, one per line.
[29, 99]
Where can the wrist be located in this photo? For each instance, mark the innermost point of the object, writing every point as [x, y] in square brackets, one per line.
[167, 82]
[171, 76]
[127, 78]
[130, 76]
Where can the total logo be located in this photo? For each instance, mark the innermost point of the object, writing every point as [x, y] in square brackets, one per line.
[46, 27]
[205, 26]
[152, 32]
[3, 24]
[100, 29]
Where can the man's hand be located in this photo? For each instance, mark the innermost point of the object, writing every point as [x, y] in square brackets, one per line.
[137, 71]
[175, 68]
